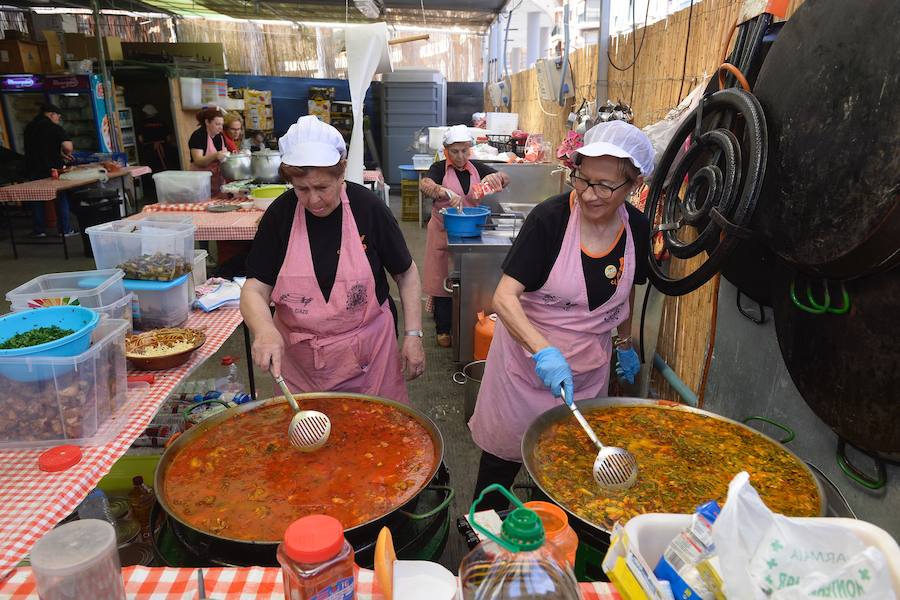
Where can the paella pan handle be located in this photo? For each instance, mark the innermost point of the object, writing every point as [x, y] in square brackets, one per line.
[791, 434]
[854, 473]
[826, 306]
[460, 378]
[450, 493]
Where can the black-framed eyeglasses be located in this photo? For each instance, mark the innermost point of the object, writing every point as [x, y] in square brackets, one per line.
[600, 189]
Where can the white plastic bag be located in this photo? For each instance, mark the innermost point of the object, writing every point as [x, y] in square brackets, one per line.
[767, 555]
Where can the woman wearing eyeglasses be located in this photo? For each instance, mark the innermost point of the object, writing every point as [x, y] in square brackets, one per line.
[567, 284]
[234, 133]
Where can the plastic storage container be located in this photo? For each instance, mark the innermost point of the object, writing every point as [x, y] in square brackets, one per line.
[125, 241]
[159, 303]
[183, 186]
[78, 560]
[76, 400]
[198, 275]
[120, 309]
[90, 289]
[650, 534]
[79, 320]
[199, 272]
[422, 161]
[316, 561]
[519, 563]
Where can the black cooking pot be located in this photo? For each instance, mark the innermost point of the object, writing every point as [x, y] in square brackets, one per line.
[237, 551]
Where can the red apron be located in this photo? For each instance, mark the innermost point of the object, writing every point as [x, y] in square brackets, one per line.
[217, 179]
[344, 344]
[511, 395]
[437, 256]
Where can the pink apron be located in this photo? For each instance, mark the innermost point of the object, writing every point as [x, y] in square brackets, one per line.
[217, 179]
[348, 343]
[437, 256]
[511, 395]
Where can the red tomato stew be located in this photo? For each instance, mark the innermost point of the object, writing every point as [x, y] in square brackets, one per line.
[242, 479]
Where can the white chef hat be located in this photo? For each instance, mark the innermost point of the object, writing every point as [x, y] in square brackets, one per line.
[311, 143]
[622, 140]
[150, 110]
[457, 133]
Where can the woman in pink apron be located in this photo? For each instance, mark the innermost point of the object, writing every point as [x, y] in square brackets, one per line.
[333, 327]
[558, 309]
[450, 183]
[207, 145]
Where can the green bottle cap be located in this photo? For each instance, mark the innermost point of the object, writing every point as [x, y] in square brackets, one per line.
[523, 529]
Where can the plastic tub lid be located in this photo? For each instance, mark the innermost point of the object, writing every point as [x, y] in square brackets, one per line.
[101, 279]
[72, 548]
[142, 285]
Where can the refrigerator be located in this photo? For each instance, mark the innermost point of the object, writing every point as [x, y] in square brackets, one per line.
[80, 97]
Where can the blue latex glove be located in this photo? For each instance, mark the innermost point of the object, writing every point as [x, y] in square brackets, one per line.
[629, 364]
[555, 372]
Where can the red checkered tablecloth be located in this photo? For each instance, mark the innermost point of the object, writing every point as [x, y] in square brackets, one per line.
[32, 502]
[227, 226]
[43, 190]
[373, 176]
[253, 583]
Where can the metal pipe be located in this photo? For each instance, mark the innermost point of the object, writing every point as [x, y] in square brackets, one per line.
[602, 92]
[561, 98]
[108, 98]
[688, 396]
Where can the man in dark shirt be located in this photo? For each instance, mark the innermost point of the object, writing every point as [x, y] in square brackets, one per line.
[47, 146]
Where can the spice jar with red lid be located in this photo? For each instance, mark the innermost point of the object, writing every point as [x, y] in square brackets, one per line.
[316, 560]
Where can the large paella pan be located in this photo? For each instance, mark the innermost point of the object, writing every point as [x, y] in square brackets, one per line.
[236, 477]
[686, 456]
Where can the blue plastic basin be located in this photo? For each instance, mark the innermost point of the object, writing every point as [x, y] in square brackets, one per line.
[14, 363]
[467, 224]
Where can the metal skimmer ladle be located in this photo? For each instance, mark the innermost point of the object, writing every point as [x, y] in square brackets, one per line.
[309, 429]
[614, 468]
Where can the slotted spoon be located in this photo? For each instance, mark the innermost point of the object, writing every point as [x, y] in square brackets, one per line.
[614, 468]
[309, 429]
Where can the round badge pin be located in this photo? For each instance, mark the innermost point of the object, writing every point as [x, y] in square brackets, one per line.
[611, 271]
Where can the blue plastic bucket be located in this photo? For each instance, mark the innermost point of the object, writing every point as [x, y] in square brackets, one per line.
[14, 362]
[408, 172]
[467, 224]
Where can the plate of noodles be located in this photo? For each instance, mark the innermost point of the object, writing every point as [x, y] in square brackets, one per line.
[162, 348]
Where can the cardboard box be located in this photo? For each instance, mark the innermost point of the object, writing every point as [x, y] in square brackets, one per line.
[113, 47]
[80, 47]
[19, 57]
[321, 109]
[53, 54]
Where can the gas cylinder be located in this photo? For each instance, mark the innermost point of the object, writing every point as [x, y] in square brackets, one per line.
[484, 333]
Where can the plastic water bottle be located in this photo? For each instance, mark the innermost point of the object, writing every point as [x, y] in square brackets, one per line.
[519, 563]
[233, 381]
[690, 547]
[96, 506]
